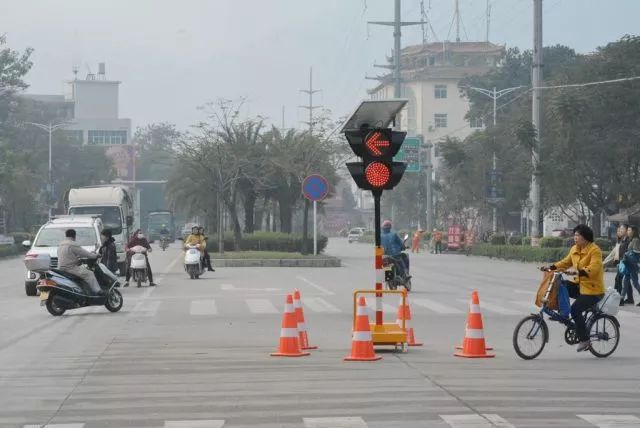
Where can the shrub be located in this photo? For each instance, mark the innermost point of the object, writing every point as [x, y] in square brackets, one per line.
[569, 242]
[498, 239]
[515, 240]
[526, 240]
[18, 237]
[268, 241]
[604, 243]
[11, 250]
[522, 253]
[551, 242]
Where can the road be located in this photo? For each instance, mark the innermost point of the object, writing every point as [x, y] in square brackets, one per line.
[196, 354]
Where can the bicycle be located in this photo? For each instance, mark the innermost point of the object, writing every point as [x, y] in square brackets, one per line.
[532, 334]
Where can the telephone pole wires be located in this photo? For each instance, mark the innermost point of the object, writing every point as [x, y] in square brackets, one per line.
[310, 107]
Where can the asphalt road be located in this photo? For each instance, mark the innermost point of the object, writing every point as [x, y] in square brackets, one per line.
[195, 353]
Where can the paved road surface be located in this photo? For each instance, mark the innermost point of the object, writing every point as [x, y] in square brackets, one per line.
[195, 354]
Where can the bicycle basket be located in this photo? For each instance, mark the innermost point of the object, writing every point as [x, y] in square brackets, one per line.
[610, 302]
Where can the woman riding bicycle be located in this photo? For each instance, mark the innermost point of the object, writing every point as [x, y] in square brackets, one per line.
[588, 286]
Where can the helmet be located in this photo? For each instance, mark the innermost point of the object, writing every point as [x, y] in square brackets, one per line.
[386, 224]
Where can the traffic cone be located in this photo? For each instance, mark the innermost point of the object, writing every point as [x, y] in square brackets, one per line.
[487, 347]
[404, 312]
[302, 327]
[362, 344]
[474, 345]
[289, 340]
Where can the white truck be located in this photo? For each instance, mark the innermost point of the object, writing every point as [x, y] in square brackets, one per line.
[114, 205]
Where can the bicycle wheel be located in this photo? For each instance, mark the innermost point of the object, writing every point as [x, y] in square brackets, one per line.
[530, 336]
[604, 333]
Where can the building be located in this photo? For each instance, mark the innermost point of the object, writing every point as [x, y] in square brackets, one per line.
[92, 109]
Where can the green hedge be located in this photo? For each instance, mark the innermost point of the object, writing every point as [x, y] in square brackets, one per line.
[604, 244]
[498, 239]
[268, 241]
[10, 250]
[18, 237]
[515, 240]
[522, 253]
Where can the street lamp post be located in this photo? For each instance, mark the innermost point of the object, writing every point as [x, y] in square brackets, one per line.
[50, 128]
[495, 95]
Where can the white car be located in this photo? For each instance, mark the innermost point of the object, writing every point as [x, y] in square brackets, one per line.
[355, 234]
[50, 235]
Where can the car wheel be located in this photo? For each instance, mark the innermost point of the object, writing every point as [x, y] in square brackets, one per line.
[30, 288]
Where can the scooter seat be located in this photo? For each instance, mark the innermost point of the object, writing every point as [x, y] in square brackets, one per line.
[69, 275]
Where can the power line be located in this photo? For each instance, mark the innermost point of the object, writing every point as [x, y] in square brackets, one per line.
[581, 85]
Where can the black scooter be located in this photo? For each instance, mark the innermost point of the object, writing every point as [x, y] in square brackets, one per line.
[392, 278]
[61, 291]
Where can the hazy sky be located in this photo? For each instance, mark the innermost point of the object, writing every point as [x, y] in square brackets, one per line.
[173, 55]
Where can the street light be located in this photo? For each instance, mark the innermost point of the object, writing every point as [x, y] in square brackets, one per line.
[50, 128]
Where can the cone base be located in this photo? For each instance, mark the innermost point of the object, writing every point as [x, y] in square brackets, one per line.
[486, 348]
[309, 347]
[463, 355]
[376, 358]
[280, 354]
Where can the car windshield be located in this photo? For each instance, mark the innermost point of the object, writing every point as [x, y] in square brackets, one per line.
[111, 218]
[52, 236]
[355, 231]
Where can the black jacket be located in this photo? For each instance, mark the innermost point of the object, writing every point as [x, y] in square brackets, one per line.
[108, 255]
[624, 246]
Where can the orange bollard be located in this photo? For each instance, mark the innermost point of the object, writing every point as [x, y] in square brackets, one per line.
[404, 312]
[302, 327]
[289, 339]
[474, 345]
[362, 344]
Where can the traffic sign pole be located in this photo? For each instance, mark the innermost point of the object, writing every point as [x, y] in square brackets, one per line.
[377, 194]
[315, 228]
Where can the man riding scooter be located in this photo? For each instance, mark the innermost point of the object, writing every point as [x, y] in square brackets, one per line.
[394, 247]
[138, 239]
[70, 256]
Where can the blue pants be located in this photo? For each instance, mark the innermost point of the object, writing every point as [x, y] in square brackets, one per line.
[631, 277]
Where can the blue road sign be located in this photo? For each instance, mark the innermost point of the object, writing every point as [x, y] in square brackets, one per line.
[315, 187]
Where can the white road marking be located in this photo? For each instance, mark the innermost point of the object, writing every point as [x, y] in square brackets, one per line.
[529, 292]
[316, 286]
[612, 421]
[261, 306]
[217, 423]
[169, 268]
[466, 421]
[343, 422]
[318, 304]
[498, 421]
[231, 287]
[387, 309]
[146, 309]
[56, 426]
[529, 304]
[227, 287]
[435, 306]
[495, 308]
[203, 307]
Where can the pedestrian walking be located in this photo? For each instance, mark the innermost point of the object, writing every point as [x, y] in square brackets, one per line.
[437, 239]
[415, 243]
[614, 257]
[631, 259]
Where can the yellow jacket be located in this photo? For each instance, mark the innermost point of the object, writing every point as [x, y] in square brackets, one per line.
[589, 260]
[194, 240]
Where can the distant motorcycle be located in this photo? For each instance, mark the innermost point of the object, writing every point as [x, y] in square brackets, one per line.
[164, 242]
[61, 291]
[138, 265]
[193, 264]
[392, 277]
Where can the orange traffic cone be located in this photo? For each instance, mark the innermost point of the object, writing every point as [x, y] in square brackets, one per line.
[302, 327]
[404, 312]
[289, 340]
[362, 344]
[474, 345]
[487, 347]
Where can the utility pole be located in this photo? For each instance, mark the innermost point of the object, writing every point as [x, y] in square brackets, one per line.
[536, 105]
[457, 22]
[310, 106]
[488, 21]
[283, 119]
[429, 171]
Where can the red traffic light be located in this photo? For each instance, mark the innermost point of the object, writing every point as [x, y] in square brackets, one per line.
[377, 143]
[377, 174]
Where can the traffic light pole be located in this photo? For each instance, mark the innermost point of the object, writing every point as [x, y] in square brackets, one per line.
[377, 194]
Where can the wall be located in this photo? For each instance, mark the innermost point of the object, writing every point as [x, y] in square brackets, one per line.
[95, 99]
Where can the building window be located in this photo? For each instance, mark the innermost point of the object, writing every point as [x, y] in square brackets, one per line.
[74, 135]
[475, 122]
[432, 60]
[440, 120]
[555, 216]
[440, 91]
[110, 138]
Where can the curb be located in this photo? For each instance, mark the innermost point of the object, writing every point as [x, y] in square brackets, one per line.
[328, 262]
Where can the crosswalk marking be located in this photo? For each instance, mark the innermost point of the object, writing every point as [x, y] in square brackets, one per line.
[467, 421]
[56, 426]
[203, 307]
[497, 420]
[387, 309]
[218, 423]
[612, 421]
[318, 304]
[343, 422]
[261, 306]
[495, 308]
[435, 306]
[146, 308]
[227, 287]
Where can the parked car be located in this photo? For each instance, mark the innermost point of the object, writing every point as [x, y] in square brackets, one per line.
[355, 234]
[50, 235]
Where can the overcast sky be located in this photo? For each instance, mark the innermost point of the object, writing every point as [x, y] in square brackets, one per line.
[174, 55]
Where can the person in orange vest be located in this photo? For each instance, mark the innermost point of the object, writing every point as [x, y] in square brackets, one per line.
[415, 243]
[437, 239]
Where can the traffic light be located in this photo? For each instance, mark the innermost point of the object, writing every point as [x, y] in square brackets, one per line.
[376, 147]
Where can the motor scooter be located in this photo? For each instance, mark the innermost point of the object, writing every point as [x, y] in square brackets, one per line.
[193, 263]
[61, 291]
[392, 277]
[138, 264]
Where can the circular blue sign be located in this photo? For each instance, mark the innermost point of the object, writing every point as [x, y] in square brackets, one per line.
[315, 187]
